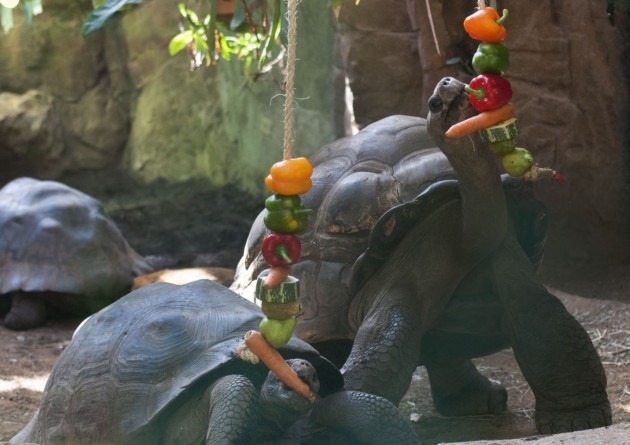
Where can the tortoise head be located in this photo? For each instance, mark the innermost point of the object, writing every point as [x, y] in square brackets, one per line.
[279, 402]
[448, 105]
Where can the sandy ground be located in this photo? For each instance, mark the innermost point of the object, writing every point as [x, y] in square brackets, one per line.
[27, 357]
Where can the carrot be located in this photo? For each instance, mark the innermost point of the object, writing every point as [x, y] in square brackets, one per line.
[256, 343]
[481, 121]
[276, 275]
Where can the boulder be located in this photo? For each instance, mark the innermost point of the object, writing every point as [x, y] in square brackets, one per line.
[30, 135]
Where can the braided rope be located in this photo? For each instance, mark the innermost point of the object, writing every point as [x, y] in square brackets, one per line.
[290, 78]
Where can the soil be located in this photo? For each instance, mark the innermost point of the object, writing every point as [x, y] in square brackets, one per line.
[27, 358]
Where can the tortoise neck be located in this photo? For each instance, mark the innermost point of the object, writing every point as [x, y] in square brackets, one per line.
[483, 205]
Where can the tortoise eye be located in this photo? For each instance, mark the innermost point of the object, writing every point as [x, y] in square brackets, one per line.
[435, 104]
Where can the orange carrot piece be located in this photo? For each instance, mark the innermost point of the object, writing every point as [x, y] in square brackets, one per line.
[481, 121]
[276, 275]
[256, 343]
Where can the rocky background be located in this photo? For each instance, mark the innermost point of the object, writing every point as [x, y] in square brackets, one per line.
[569, 72]
[178, 157]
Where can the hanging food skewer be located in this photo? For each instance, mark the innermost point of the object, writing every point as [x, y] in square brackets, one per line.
[490, 94]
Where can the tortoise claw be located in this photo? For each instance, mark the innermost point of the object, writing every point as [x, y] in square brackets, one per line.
[552, 422]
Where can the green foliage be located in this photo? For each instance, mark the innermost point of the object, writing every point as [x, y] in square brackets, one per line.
[251, 35]
[103, 11]
[30, 8]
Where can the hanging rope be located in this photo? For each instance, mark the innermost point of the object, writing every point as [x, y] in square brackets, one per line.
[290, 78]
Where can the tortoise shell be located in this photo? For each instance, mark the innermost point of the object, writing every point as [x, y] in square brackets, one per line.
[131, 364]
[58, 239]
[355, 181]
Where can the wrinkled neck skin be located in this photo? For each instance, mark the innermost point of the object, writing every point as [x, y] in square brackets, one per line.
[281, 406]
[483, 206]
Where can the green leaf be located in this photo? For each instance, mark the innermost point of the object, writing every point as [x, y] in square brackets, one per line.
[7, 19]
[273, 33]
[180, 41]
[37, 7]
[239, 16]
[183, 9]
[99, 16]
[192, 17]
[201, 44]
[225, 47]
[27, 8]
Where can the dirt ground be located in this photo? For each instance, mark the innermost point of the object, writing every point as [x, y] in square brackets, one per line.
[600, 301]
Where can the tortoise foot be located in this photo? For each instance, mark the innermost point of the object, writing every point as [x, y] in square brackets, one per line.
[479, 397]
[552, 422]
[459, 389]
[26, 312]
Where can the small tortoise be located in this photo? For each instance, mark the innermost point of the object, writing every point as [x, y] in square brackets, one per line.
[160, 366]
[438, 279]
[59, 249]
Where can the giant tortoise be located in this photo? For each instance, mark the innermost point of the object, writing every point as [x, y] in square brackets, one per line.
[160, 366]
[408, 267]
[59, 250]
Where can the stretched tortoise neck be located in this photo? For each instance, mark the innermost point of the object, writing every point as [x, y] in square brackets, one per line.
[483, 205]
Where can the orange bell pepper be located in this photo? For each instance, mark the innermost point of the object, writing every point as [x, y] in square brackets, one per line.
[290, 177]
[486, 25]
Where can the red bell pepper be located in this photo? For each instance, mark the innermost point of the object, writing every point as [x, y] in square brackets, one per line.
[488, 92]
[281, 249]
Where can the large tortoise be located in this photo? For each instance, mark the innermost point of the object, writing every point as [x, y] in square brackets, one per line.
[160, 366]
[439, 279]
[59, 249]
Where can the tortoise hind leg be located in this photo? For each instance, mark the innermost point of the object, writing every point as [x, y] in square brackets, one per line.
[459, 389]
[553, 350]
[27, 312]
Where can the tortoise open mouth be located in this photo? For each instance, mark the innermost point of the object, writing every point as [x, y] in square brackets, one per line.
[449, 103]
[459, 109]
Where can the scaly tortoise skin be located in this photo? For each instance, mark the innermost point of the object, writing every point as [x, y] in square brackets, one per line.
[59, 246]
[412, 268]
[160, 366]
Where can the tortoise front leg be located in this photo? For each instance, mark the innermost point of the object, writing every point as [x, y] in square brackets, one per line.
[227, 412]
[356, 417]
[28, 311]
[234, 411]
[552, 349]
[386, 350]
[459, 389]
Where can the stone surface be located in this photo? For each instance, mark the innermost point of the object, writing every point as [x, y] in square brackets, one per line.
[30, 138]
[379, 49]
[618, 434]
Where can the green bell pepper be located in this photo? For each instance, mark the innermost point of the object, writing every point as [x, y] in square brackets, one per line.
[491, 58]
[285, 214]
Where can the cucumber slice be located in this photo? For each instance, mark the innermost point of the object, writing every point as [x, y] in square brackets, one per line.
[501, 132]
[285, 292]
[501, 148]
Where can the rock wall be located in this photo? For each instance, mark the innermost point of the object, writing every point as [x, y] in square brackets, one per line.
[51, 61]
[118, 101]
[569, 72]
